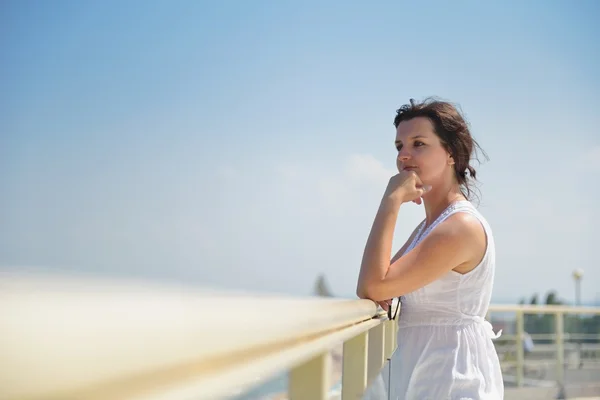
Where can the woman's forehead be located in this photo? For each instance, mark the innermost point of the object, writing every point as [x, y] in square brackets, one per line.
[419, 126]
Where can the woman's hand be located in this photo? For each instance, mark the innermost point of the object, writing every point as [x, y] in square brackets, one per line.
[406, 186]
[385, 304]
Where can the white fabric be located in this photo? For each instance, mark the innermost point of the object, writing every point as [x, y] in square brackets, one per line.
[445, 349]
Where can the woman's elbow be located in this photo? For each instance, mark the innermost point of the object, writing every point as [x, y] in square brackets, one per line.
[360, 291]
[365, 291]
[376, 292]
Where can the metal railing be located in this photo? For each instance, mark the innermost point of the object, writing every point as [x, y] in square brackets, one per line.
[67, 338]
[88, 339]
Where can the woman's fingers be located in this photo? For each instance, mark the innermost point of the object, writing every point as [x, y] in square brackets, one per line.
[417, 180]
[422, 190]
[406, 186]
[385, 304]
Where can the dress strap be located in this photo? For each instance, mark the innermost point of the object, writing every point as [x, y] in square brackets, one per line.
[463, 205]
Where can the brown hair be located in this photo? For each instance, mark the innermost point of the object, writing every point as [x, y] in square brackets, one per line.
[453, 130]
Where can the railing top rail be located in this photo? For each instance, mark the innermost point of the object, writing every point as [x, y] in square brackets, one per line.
[101, 330]
[543, 309]
[64, 335]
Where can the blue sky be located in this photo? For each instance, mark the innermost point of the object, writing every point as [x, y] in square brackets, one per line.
[246, 145]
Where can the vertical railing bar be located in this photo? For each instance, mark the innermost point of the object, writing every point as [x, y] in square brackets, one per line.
[519, 347]
[394, 347]
[376, 356]
[310, 380]
[389, 338]
[560, 350]
[355, 366]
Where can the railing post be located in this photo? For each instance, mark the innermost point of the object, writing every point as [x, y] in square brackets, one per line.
[389, 338]
[560, 350]
[376, 354]
[519, 346]
[395, 335]
[354, 367]
[310, 381]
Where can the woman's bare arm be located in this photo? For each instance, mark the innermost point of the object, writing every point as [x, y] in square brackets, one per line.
[385, 304]
[400, 252]
[453, 243]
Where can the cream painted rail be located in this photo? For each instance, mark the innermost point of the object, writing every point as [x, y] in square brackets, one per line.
[67, 338]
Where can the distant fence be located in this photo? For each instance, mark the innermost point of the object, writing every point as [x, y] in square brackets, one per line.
[555, 345]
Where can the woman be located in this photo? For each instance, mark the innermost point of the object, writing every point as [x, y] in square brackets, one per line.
[444, 272]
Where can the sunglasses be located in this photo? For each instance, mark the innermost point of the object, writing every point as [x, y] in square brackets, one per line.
[389, 311]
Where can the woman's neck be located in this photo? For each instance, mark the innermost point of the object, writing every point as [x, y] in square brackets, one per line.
[438, 199]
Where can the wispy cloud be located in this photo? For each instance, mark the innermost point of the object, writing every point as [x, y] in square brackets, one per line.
[364, 168]
[340, 187]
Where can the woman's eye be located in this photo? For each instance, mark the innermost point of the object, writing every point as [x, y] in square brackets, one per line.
[399, 147]
[419, 144]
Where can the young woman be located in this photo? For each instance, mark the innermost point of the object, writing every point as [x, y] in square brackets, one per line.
[444, 273]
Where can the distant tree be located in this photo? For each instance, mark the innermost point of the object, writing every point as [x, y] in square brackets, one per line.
[321, 287]
[534, 299]
[552, 298]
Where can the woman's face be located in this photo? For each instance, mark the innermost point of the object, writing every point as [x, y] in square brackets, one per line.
[420, 150]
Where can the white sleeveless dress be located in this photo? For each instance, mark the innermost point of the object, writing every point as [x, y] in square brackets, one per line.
[445, 348]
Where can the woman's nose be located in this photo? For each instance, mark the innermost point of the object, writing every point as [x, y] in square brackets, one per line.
[403, 155]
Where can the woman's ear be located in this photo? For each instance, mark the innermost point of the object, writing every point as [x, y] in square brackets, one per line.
[450, 160]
